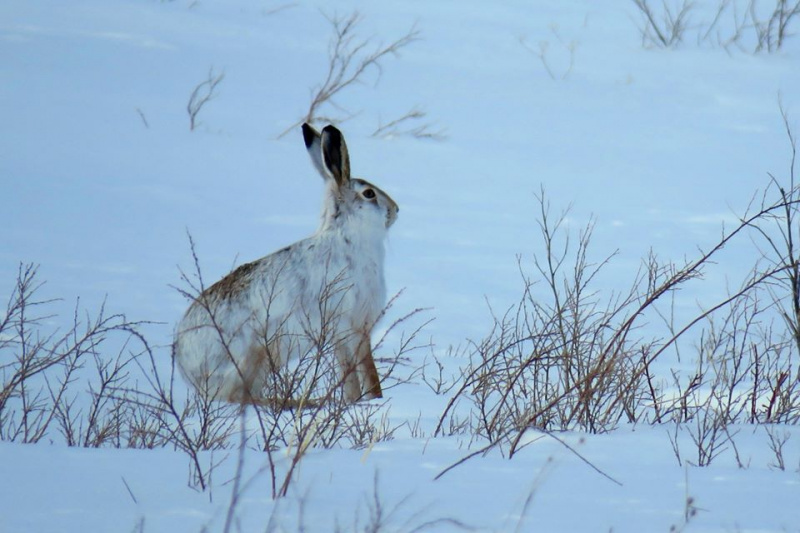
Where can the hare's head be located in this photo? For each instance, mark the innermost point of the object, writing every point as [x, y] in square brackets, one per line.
[349, 200]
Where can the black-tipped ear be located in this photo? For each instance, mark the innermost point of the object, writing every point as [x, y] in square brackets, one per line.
[335, 155]
[313, 141]
[309, 135]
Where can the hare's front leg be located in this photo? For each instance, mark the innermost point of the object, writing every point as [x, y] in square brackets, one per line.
[348, 364]
[359, 375]
[367, 372]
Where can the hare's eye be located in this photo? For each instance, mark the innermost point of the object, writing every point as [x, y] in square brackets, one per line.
[369, 194]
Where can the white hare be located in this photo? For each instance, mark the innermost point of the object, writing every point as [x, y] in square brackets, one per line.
[326, 289]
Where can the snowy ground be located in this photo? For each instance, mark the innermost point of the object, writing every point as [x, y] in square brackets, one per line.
[58, 489]
[101, 179]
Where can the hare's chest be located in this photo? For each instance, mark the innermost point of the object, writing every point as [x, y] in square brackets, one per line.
[334, 279]
[369, 291]
[356, 275]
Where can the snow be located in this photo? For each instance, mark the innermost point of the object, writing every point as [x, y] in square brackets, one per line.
[660, 146]
[67, 489]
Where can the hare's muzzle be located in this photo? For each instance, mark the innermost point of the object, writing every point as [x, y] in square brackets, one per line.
[391, 214]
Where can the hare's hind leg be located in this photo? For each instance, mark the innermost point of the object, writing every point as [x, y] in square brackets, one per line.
[368, 373]
[247, 385]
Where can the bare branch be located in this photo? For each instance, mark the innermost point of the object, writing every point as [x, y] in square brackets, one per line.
[350, 59]
[204, 92]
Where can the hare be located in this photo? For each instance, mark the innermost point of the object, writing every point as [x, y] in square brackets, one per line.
[327, 289]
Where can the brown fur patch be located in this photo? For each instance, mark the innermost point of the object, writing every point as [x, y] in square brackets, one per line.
[234, 283]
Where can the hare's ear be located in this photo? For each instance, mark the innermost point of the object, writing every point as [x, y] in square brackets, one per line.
[314, 147]
[334, 154]
[328, 152]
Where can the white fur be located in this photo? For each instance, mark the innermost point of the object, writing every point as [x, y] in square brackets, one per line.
[282, 296]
